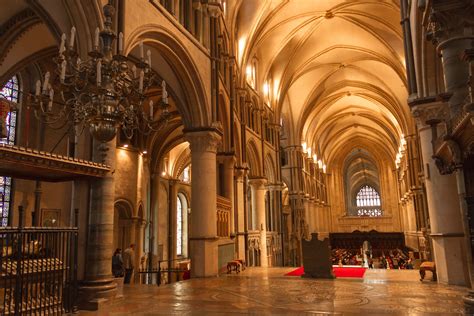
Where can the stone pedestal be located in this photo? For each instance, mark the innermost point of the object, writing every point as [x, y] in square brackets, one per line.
[203, 232]
[317, 258]
[258, 202]
[99, 286]
[445, 218]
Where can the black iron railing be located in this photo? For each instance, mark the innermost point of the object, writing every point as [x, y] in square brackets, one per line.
[158, 275]
[38, 270]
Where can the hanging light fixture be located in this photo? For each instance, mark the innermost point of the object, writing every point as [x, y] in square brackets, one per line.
[103, 93]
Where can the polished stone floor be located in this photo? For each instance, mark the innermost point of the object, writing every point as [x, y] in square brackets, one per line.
[260, 291]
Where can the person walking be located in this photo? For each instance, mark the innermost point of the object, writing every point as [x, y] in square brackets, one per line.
[128, 260]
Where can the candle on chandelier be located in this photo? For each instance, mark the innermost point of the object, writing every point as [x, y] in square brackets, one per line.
[134, 70]
[148, 55]
[78, 61]
[120, 43]
[73, 35]
[151, 109]
[38, 87]
[141, 50]
[99, 72]
[46, 81]
[51, 96]
[96, 38]
[164, 93]
[140, 84]
[62, 47]
[63, 70]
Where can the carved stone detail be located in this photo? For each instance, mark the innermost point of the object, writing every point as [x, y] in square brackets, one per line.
[453, 159]
[258, 183]
[203, 141]
[428, 113]
[448, 19]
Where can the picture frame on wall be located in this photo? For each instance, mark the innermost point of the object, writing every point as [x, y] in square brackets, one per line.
[50, 217]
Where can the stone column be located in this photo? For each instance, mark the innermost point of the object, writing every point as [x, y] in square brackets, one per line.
[154, 223]
[445, 218]
[308, 209]
[99, 285]
[229, 163]
[203, 241]
[258, 201]
[240, 210]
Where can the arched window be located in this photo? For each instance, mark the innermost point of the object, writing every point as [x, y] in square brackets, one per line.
[182, 209]
[186, 174]
[368, 202]
[179, 227]
[9, 92]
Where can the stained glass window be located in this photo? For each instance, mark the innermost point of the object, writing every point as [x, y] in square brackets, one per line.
[179, 227]
[368, 202]
[9, 92]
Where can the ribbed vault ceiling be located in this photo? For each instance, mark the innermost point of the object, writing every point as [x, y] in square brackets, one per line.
[335, 69]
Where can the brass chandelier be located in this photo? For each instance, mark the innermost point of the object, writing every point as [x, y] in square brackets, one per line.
[103, 93]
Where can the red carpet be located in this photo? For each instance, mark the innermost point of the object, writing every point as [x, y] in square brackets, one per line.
[344, 272]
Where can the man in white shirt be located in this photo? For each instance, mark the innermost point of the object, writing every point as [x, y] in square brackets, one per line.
[128, 257]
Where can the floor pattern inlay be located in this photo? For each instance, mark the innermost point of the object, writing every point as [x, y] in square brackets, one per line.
[259, 291]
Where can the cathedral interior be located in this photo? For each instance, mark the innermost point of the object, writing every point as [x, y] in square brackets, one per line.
[218, 136]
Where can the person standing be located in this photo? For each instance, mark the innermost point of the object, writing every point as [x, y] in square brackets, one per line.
[128, 260]
[117, 263]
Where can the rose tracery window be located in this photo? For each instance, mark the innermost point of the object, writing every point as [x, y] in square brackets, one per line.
[9, 92]
[368, 202]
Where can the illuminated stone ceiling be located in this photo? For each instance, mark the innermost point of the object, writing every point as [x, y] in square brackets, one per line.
[335, 71]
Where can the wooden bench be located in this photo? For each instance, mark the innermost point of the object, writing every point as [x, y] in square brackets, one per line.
[427, 266]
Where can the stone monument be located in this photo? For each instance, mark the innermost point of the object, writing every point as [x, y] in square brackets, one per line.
[317, 258]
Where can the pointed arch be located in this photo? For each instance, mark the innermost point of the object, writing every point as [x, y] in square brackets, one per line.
[184, 78]
[253, 159]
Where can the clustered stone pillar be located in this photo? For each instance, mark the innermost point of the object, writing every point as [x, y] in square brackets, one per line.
[99, 286]
[445, 218]
[258, 202]
[203, 231]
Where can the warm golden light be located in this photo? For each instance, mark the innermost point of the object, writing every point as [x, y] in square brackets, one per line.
[241, 48]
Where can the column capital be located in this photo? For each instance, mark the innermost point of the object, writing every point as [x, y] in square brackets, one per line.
[275, 186]
[258, 183]
[448, 19]
[203, 140]
[241, 171]
[430, 110]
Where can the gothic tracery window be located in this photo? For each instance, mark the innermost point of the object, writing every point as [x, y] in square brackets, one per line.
[368, 202]
[9, 92]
